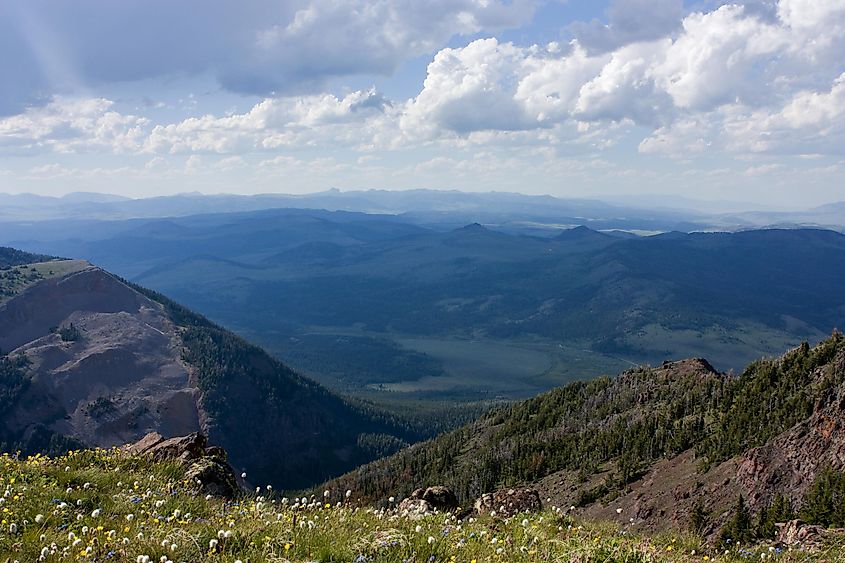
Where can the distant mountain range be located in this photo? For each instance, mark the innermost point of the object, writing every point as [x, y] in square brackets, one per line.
[440, 209]
[382, 307]
[90, 360]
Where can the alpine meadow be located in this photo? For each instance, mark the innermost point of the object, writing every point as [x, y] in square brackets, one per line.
[442, 281]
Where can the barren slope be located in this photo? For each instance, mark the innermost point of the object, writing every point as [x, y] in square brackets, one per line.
[122, 377]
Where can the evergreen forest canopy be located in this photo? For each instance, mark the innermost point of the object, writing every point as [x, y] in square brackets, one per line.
[618, 427]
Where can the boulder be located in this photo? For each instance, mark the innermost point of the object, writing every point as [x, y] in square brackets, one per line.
[415, 508]
[213, 477]
[145, 443]
[428, 500]
[796, 532]
[507, 503]
[440, 497]
[205, 466]
[183, 448]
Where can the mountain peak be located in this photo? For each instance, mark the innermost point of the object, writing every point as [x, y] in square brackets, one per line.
[473, 228]
[580, 233]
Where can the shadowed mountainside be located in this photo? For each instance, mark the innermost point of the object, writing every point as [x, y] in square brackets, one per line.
[94, 361]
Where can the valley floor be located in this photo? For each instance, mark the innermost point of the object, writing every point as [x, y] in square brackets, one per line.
[107, 506]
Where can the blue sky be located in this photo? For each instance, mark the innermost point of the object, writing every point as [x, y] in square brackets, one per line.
[710, 100]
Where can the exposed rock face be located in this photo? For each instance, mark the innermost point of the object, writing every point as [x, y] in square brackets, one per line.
[123, 377]
[206, 466]
[507, 503]
[432, 499]
[791, 462]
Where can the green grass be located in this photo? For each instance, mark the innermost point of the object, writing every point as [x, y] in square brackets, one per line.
[106, 506]
[15, 279]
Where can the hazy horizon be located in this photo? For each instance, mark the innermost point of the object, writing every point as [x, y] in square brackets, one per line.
[639, 201]
[740, 102]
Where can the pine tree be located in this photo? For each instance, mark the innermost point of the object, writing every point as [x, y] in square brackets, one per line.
[738, 529]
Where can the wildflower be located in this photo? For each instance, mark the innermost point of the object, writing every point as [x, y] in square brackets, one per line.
[243, 475]
[212, 544]
[13, 528]
[430, 540]
[130, 517]
[618, 511]
[391, 500]
[348, 493]
[39, 518]
[96, 513]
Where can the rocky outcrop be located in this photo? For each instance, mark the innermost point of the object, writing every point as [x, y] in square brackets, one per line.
[507, 503]
[429, 500]
[792, 461]
[205, 466]
[797, 533]
[182, 448]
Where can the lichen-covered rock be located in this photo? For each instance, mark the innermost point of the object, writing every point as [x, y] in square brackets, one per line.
[213, 477]
[415, 508]
[440, 497]
[507, 503]
[426, 501]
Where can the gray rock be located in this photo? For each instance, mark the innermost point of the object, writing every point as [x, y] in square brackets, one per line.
[507, 503]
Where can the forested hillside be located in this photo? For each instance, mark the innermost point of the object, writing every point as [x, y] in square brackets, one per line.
[607, 437]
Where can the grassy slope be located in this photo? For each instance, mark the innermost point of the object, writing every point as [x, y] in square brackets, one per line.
[20, 270]
[105, 506]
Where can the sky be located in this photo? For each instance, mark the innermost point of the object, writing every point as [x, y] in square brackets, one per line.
[574, 98]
